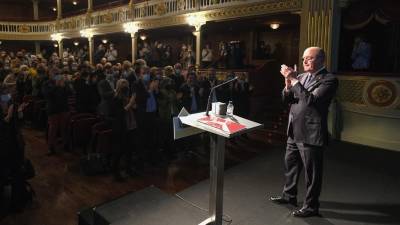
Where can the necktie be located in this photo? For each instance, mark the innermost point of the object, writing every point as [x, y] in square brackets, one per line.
[307, 80]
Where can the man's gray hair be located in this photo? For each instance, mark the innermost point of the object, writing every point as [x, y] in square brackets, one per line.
[321, 53]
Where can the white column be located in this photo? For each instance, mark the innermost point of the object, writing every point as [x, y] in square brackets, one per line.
[197, 33]
[91, 49]
[59, 9]
[36, 17]
[134, 46]
[35, 9]
[90, 6]
[60, 48]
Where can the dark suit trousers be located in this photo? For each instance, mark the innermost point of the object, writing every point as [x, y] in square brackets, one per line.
[297, 157]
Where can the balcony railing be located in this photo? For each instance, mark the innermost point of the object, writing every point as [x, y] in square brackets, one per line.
[137, 12]
[27, 27]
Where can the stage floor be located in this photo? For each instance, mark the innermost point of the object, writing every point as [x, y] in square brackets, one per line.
[361, 186]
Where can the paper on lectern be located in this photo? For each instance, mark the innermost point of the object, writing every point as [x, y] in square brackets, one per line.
[224, 124]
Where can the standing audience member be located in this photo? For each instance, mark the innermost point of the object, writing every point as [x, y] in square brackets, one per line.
[10, 82]
[241, 96]
[167, 109]
[123, 129]
[361, 54]
[106, 93]
[56, 93]
[206, 56]
[190, 94]
[12, 148]
[99, 54]
[111, 54]
[178, 77]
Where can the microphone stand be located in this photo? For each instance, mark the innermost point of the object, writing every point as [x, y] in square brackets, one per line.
[212, 91]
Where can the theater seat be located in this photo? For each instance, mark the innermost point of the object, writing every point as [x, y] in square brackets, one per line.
[81, 132]
[101, 138]
[72, 120]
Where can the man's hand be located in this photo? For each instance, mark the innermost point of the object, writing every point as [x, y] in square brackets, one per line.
[289, 74]
[288, 84]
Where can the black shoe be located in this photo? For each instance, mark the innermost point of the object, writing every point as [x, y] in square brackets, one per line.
[305, 213]
[282, 200]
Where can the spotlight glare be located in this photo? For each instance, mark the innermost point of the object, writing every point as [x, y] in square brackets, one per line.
[130, 27]
[274, 26]
[143, 37]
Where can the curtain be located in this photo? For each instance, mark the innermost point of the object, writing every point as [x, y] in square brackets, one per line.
[360, 13]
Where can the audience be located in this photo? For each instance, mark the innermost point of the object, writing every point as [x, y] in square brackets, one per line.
[136, 101]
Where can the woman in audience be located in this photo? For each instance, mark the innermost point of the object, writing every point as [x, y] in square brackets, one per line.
[167, 109]
[123, 128]
[10, 82]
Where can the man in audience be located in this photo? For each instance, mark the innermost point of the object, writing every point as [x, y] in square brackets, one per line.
[56, 93]
[190, 94]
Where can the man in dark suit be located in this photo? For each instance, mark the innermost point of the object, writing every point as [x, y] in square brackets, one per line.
[310, 95]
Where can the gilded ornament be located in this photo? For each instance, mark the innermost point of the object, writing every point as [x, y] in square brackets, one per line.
[214, 2]
[23, 28]
[181, 4]
[108, 18]
[351, 91]
[160, 9]
[381, 93]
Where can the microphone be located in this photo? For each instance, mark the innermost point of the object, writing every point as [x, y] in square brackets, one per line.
[213, 89]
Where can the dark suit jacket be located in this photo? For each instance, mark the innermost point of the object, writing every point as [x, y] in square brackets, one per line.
[106, 94]
[309, 108]
[187, 98]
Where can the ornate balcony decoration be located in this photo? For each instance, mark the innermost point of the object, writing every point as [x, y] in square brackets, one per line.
[56, 37]
[87, 33]
[370, 95]
[23, 28]
[148, 14]
[131, 27]
[160, 9]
